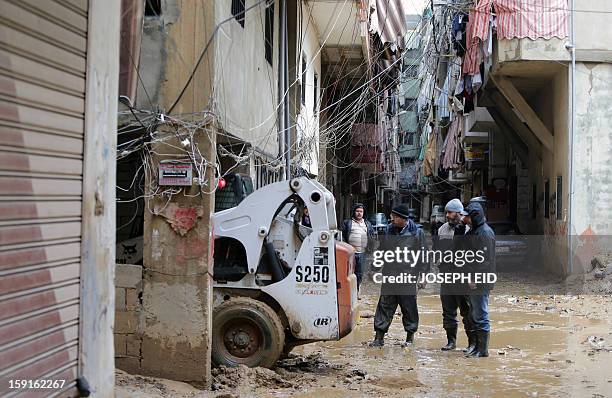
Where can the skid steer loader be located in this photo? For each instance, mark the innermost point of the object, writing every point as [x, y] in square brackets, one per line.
[278, 283]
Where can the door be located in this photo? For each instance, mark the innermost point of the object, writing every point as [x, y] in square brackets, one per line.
[43, 48]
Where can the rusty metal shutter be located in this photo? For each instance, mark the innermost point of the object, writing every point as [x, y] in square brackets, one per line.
[43, 47]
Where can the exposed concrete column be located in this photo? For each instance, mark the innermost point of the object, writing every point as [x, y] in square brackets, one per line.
[177, 272]
[176, 305]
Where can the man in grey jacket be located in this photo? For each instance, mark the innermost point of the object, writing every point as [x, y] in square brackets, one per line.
[452, 296]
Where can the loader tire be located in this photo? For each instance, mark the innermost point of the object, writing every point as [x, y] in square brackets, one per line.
[246, 332]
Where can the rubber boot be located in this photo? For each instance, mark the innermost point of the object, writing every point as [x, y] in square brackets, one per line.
[471, 342]
[379, 340]
[451, 336]
[476, 345]
[483, 345]
[409, 339]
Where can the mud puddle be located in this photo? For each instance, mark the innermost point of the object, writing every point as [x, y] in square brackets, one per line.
[541, 346]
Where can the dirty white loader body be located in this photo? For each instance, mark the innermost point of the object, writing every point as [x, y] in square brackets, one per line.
[278, 283]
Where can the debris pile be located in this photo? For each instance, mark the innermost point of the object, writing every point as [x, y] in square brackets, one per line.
[242, 377]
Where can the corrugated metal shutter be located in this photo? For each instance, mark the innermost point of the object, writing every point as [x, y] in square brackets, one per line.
[43, 47]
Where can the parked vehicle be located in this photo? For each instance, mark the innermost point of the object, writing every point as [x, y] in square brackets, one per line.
[510, 244]
[277, 286]
[379, 222]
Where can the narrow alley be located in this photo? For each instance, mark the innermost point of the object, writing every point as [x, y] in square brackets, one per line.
[305, 198]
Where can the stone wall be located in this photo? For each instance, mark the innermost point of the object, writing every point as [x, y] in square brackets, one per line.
[129, 317]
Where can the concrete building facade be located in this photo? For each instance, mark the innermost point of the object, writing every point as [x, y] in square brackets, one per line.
[207, 104]
[542, 122]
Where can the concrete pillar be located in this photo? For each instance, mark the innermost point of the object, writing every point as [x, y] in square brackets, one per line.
[177, 272]
[176, 313]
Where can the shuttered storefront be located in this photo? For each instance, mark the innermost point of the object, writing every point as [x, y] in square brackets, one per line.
[42, 102]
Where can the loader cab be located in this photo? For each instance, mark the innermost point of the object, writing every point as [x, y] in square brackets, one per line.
[237, 187]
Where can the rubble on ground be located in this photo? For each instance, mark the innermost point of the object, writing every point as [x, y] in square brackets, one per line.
[241, 377]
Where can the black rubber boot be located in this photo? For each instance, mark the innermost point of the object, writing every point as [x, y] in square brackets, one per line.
[379, 340]
[476, 345]
[471, 342]
[483, 345]
[409, 339]
[451, 336]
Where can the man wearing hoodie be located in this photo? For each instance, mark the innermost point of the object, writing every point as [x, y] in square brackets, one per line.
[453, 296]
[403, 232]
[479, 237]
[359, 233]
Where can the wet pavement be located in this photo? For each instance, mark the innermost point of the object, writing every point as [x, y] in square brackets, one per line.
[541, 346]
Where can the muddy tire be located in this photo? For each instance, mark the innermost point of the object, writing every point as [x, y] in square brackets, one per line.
[246, 332]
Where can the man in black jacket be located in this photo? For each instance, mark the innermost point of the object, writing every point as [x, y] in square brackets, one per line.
[480, 237]
[359, 233]
[402, 232]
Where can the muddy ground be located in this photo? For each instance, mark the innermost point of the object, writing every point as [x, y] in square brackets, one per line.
[542, 345]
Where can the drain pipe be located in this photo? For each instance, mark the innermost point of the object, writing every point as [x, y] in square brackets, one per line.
[572, 48]
[282, 88]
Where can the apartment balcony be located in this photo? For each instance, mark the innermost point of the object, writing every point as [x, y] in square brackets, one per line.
[408, 121]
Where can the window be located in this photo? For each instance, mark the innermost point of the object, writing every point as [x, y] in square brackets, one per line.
[315, 93]
[269, 30]
[238, 11]
[304, 65]
[546, 198]
[409, 139]
[152, 8]
[559, 198]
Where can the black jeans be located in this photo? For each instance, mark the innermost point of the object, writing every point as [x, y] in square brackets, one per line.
[387, 304]
[450, 303]
[359, 260]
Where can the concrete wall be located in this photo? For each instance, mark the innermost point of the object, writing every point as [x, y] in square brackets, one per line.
[308, 117]
[245, 95]
[532, 50]
[155, 49]
[593, 39]
[592, 150]
[552, 107]
[593, 28]
[129, 317]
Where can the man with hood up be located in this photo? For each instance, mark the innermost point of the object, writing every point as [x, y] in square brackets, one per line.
[479, 237]
[401, 232]
[359, 233]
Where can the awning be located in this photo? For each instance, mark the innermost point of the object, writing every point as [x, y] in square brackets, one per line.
[387, 19]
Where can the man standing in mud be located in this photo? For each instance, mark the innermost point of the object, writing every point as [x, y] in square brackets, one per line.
[401, 232]
[453, 296]
[480, 236]
[359, 233]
